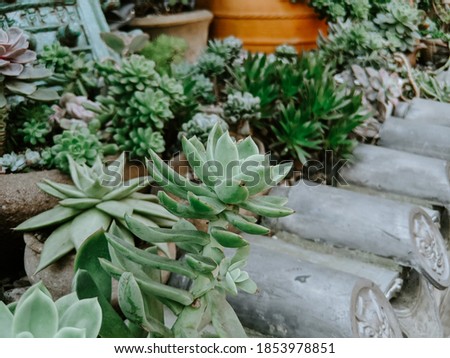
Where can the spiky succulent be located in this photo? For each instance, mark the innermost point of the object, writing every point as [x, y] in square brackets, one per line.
[242, 107]
[210, 64]
[36, 316]
[229, 48]
[79, 144]
[201, 125]
[353, 43]
[400, 25]
[231, 177]
[74, 72]
[286, 53]
[97, 197]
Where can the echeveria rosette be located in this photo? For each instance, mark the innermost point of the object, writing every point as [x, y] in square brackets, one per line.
[139, 141]
[218, 199]
[98, 197]
[37, 316]
[242, 107]
[14, 52]
[201, 125]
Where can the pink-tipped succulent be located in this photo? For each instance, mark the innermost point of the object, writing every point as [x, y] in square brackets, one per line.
[14, 52]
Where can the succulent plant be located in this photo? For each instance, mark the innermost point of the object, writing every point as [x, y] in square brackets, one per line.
[98, 197]
[229, 48]
[346, 9]
[126, 43]
[286, 53]
[210, 64]
[400, 25]
[431, 87]
[81, 145]
[201, 125]
[72, 112]
[73, 72]
[353, 43]
[15, 53]
[231, 175]
[199, 88]
[35, 131]
[145, 7]
[36, 316]
[138, 104]
[242, 107]
[139, 141]
[18, 162]
[165, 51]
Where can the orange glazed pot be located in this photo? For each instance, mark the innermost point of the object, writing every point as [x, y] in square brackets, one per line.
[265, 24]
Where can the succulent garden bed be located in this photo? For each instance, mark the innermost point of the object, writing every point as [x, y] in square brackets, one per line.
[125, 166]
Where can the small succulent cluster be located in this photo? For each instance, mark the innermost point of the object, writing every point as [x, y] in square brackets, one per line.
[345, 9]
[14, 163]
[431, 87]
[242, 107]
[79, 143]
[34, 127]
[138, 104]
[217, 199]
[71, 112]
[201, 125]
[73, 72]
[400, 25]
[98, 197]
[35, 315]
[286, 53]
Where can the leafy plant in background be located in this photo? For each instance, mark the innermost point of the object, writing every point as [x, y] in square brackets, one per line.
[99, 196]
[35, 315]
[217, 199]
[165, 51]
[201, 125]
[345, 9]
[242, 109]
[287, 53]
[145, 7]
[72, 72]
[138, 104]
[430, 87]
[400, 25]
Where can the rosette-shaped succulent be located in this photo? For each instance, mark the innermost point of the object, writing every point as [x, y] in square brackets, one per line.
[229, 48]
[199, 87]
[201, 125]
[79, 144]
[210, 64]
[139, 141]
[17, 162]
[173, 88]
[286, 53]
[35, 131]
[14, 52]
[242, 107]
[400, 24]
[231, 176]
[98, 197]
[150, 106]
[135, 73]
[37, 316]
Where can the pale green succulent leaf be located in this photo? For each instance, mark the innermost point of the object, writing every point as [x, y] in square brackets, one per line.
[206, 205]
[224, 319]
[37, 315]
[232, 191]
[57, 245]
[226, 153]
[6, 321]
[247, 148]
[149, 209]
[71, 332]
[213, 138]
[51, 191]
[69, 190]
[125, 190]
[248, 286]
[45, 95]
[79, 203]
[22, 88]
[57, 215]
[86, 224]
[85, 314]
[65, 302]
[116, 209]
[188, 323]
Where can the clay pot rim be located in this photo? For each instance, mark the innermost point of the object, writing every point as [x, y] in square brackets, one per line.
[183, 18]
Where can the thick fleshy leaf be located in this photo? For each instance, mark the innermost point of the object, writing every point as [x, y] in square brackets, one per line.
[113, 41]
[57, 215]
[116, 209]
[57, 245]
[65, 302]
[91, 250]
[112, 324]
[51, 191]
[34, 73]
[150, 209]
[224, 319]
[226, 153]
[45, 95]
[86, 224]
[22, 88]
[37, 315]
[247, 148]
[71, 332]
[125, 190]
[6, 321]
[188, 323]
[85, 314]
[69, 190]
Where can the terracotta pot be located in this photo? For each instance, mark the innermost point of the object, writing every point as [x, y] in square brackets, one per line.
[192, 26]
[263, 25]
